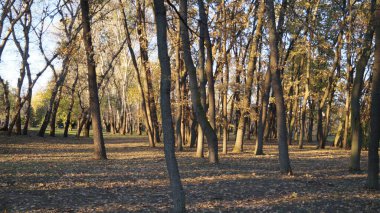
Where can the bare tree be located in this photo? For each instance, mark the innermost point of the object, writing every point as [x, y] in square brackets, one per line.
[6, 13]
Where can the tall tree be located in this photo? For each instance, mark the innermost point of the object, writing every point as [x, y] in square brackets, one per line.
[349, 75]
[100, 150]
[253, 55]
[146, 69]
[277, 90]
[145, 109]
[374, 135]
[25, 22]
[178, 195]
[200, 113]
[69, 46]
[202, 76]
[356, 128]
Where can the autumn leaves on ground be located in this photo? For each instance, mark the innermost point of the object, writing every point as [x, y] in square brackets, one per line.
[59, 175]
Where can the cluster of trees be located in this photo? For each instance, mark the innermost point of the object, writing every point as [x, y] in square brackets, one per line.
[290, 71]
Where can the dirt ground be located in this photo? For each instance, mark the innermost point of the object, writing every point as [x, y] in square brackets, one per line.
[59, 175]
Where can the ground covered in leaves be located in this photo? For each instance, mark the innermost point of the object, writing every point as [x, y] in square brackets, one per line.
[59, 175]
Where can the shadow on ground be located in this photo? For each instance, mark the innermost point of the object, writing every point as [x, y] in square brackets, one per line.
[59, 175]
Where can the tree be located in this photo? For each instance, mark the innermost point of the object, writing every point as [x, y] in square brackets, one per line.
[7, 104]
[278, 91]
[66, 50]
[71, 105]
[100, 150]
[253, 55]
[146, 69]
[374, 134]
[200, 113]
[356, 128]
[178, 195]
[6, 13]
[145, 104]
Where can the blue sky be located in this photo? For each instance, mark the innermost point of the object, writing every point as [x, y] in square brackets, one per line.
[11, 60]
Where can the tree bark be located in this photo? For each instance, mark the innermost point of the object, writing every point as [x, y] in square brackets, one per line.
[225, 79]
[306, 97]
[200, 113]
[178, 194]
[146, 70]
[209, 65]
[374, 134]
[202, 76]
[311, 121]
[53, 97]
[100, 150]
[145, 110]
[53, 119]
[179, 115]
[278, 92]
[356, 129]
[25, 22]
[69, 111]
[349, 77]
[294, 104]
[7, 104]
[253, 55]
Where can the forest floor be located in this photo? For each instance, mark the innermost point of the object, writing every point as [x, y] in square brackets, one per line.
[59, 175]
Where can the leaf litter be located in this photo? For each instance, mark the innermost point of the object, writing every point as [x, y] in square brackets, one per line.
[60, 175]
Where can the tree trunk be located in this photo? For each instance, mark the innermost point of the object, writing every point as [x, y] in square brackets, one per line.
[100, 150]
[305, 97]
[145, 110]
[311, 121]
[54, 113]
[27, 113]
[328, 93]
[193, 133]
[179, 115]
[263, 115]
[338, 138]
[321, 143]
[55, 93]
[178, 194]
[253, 55]
[200, 113]
[225, 77]
[294, 105]
[278, 92]
[349, 77]
[87, 126]
[209, 64]
[146, 71]
[374, 135]
[68, 117]
[356, 129]
[17, 118]
[7, 104]
[200, 146]
[202, 77]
